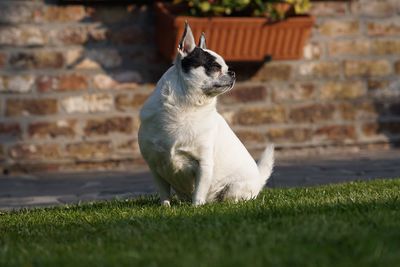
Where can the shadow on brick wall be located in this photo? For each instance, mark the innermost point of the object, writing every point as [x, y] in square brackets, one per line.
[122, 39]
[387, 123]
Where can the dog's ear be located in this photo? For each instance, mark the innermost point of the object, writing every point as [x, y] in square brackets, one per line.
[187, 43]
[202, 41]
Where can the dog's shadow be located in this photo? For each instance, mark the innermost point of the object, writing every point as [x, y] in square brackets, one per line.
[246, 70]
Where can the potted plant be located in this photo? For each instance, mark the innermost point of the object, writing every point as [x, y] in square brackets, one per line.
[242, 30]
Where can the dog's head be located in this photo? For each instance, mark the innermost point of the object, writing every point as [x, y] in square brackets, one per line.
[202, 70]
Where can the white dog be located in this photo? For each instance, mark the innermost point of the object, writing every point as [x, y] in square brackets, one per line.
[187, 143]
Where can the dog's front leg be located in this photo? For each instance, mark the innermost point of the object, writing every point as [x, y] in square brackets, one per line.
[203, 180]
[164, 189]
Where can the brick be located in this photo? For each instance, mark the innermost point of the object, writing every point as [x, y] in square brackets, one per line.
[312, 113]
[336, 133]
[73, 56]
[250, 137]
[377, 85]
[339, 28]
[228, 115]
[138, 99]
[149, 55]
[88, 103]
[359, 110]
[109, 125]
[72, 82]
[118, 14]
[367, 68]
[132, 34]
[71, 35]
[34, 152]
[389, 92]
[127, 146]
[368, 109]
[312, 51]
[60, 128]
[377, 128]
[89, 150]
[319, 70]
[30, 106]
[120, 81]
[86, 64]
[394, 108]
[342, 90]
[30, 166]
[3, 60]
[358, 47]
[370, 129]
[289, 135]
[21, 36]
[57, 13]
[390, 128]
[373, 8]
[98, 33]
[260, 115]
[136, 123]
[12, 13]
[385, 47]
[46, 83]
[36, 60]
[17, 83]
[245, 93]
[2, 154]
[107, 58]
[293, 92]
[322, 9]
[125, 102]
[10, 129]
[3, 84]
[67, 82]
[98, 59]
[384, 28]
[348, 111]
[397, 67]
[382, 107]
[105, 165]
[273, 72]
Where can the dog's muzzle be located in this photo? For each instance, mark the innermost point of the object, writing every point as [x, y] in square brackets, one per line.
[232, 74]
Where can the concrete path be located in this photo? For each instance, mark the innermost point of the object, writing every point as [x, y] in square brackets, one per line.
[56, 189]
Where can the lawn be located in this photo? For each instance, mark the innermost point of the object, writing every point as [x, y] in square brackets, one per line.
[338, 225]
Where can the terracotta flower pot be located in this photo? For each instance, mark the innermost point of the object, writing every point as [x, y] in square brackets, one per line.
[236, 38]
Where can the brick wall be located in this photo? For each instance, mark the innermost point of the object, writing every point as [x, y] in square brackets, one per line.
[72, 79]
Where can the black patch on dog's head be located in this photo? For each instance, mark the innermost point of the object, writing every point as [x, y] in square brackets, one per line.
[200, 58]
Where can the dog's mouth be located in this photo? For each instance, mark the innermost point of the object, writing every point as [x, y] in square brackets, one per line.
[229, 86]
[219, 88]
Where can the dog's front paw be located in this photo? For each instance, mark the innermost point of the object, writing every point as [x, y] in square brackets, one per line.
[199, 202]
[165, 203]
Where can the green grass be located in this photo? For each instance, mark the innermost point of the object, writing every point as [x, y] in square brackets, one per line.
[337, 225]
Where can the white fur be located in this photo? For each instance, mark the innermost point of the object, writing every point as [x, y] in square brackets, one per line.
[190, 147]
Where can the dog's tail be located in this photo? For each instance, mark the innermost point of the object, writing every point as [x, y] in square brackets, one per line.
[266, 164]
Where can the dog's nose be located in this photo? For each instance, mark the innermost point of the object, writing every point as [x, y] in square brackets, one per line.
[231, 73]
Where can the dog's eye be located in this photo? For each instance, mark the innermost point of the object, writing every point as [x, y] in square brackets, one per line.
[215, 68]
